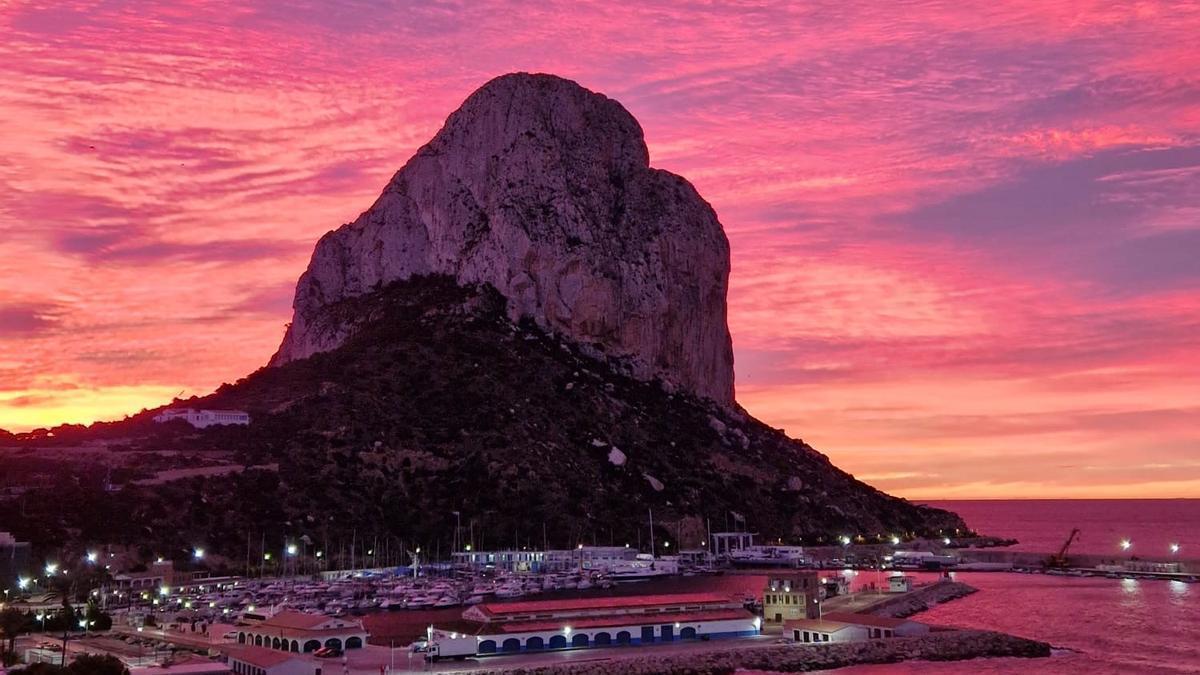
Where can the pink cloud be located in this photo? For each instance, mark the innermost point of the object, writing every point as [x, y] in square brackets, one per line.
[957, 233]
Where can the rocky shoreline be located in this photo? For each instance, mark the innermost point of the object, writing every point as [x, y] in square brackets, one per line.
[943, 645]
[921, 599]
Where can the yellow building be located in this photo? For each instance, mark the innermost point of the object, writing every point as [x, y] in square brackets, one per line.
[791, 595]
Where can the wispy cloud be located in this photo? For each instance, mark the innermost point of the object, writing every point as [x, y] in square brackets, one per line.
[959, 234]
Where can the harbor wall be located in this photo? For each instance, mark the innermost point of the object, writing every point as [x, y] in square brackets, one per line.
[1080, 560]
[950, 645]
[920, 599]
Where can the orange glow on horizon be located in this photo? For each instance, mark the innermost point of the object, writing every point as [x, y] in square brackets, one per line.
[963, 253]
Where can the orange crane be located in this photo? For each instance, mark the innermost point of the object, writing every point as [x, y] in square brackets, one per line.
[1060, 559]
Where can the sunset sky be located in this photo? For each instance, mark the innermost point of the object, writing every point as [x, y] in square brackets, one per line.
[966, 243]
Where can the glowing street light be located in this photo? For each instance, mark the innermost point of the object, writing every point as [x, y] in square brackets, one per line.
[1174, 549]
[1126, 544]
[895, 540]
[51, 568]
[266, 556]
[22, 582]
[198, 554]
[845, 540]
[291, 549]
[92, 556]
[164, 591]
[320, 553]
[945, 541]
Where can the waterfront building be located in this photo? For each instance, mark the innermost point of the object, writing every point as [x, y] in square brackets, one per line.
[725, 543]
[849, 627]
[490, 628]
[261, 661]
[14, 560]
[203, 418]
[159, 574]
[899, 584]
[791, 595]
[504, 560]
[770, 556]
[589, 558]
[300, 632]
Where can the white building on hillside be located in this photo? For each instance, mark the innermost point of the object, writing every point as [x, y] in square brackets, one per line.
[203, 418]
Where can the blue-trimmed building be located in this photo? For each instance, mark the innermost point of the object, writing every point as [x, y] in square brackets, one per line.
[498, 628]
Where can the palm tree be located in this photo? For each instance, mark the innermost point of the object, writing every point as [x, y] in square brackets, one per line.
[13, 622]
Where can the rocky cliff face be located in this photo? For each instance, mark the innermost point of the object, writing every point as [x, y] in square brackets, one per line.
[543, 190]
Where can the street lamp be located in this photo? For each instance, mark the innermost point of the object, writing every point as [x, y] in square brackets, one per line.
[291, 549]
[22, 583]
[1174, 549]
[198, 554]
[895, 540]
[51, 568]
[1126, 544]
[91, 556]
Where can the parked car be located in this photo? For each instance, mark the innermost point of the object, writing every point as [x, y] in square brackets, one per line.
[327, 653]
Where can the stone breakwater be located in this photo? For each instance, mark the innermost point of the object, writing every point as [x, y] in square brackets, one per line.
[920, 599]
[950, 645]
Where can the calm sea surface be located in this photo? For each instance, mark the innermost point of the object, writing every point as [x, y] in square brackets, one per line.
[1099, 626]
[1152, 525]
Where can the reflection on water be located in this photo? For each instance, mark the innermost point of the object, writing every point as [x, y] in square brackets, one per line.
[1100, 626]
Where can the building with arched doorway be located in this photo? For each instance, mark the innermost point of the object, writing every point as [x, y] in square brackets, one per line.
[500, 628]
[303, 633]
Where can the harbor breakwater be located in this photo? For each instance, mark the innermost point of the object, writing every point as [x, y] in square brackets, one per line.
[1076, 560]
[942, 645]
[920, 599]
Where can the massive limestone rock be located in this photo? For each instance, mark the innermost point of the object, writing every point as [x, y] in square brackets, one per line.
[543, 189]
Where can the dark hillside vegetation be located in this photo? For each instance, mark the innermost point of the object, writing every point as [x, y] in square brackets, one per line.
[439, 403]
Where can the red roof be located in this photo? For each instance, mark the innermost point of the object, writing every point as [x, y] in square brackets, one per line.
[584, 623]
[296, 620]
[262, 657]
[822, 625]
[628, 602]
[623, 620]
[865, 619]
